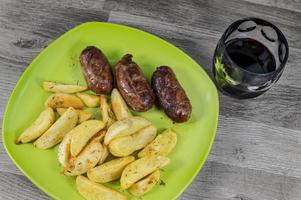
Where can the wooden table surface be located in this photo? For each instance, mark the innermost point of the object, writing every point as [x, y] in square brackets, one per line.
[257, 150]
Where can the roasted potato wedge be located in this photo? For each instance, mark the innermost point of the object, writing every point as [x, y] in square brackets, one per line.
[106, 113]
[124, 146]
[62, 88]
[58, 130]
[61, 100]
[82, 133]
[145, 185]
[109, 171]
[82, 114]
[38, 127]
[161, 145]
[87, 159]
[125, 127]
[64, 148]
[63, 153]
[104, 155]
[119, 106]
[141, 168]
[89, 100]
[95, 191]
[101, 134]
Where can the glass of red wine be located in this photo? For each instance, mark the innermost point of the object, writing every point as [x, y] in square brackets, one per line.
[249, 58]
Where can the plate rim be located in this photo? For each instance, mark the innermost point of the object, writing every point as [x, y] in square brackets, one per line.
[97, 23]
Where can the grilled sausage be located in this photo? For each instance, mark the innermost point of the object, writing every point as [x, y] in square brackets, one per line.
[171, 95]
[97, 70]
[132, 85]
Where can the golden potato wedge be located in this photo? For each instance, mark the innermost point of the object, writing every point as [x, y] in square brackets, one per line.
[106, 113]
[63, 153]
[89, 100]
[61, 100]
[82, 114]
[104, 155]
[145, 185]
[101, 134]
[109, 171]
[95, 191]
[141, 168]
[162, 145]
[87, 159]
[38, 127]
[125, 127]
[112, 117]
[82, 133]
[119, 106]
[62, 88]
[58, 130]
[124, 146]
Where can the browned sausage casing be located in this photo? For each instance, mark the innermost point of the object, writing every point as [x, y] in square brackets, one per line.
[97, 70]
[132, 85]
[171, 95]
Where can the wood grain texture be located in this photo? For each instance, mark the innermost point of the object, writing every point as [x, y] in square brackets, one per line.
[18, 187]
[257, 146]
[256, 154]
[225, 182]
[294, 5]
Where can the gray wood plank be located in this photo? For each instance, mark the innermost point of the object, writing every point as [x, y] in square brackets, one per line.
[25, 34]
[294, 5]
[14, 187]
[257, 146]
[278, 107]
[225, 182]
[211, 16]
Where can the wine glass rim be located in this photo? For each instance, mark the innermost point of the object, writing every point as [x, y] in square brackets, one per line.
[283, 38]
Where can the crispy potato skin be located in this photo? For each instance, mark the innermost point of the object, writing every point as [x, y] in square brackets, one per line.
[82, 114]
[38, 127]
[132, 85]
[104, 155]
[171, 95]
[109, 171]
[107, 116]
[62, 88]
[125, 127]
[58, 130]
[124, 146]
[95, 191]
[61, 100]
[82, 133]
[89, 100]
[162, 145]
[97, 70]
[119, 106]
[145, 185]
[63, 153]
[141, 168]
[87, 159]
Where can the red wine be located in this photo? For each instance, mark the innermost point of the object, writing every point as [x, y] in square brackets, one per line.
[251, 55]
[249, 58]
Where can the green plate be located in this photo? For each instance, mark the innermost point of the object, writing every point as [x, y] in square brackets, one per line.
[60, 62]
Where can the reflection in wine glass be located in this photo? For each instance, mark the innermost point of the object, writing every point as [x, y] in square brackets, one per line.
[249, 58]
